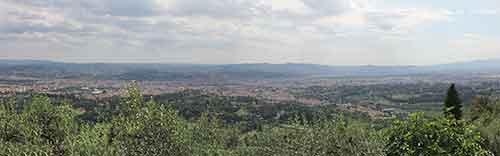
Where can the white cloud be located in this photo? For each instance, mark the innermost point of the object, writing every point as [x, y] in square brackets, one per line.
[196, 28]
[215, 8]
[476, 46]
[488, 12]
[406, 19]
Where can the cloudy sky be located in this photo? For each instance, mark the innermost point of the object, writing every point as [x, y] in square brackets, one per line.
[337, 32]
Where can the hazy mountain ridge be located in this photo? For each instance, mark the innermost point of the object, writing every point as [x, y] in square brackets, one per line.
[124, 71]
[472, 66]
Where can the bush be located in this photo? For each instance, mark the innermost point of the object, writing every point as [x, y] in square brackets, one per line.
[153, 130]
[337, 137]
[485, 113]
[442, 136]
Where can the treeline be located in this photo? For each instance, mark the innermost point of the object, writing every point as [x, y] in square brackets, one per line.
[141, 126]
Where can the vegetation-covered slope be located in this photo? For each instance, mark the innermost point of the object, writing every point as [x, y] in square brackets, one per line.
[141, 126]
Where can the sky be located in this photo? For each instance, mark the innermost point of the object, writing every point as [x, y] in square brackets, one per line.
[331, 32]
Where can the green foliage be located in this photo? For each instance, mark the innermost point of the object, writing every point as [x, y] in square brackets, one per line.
[209, 137]
[151, 130]
[453, 104]
[321, 138]
[51, 125]
[491, 133]
[134, 101]
[485, 113]
[236, 126]
[16, 137]
[442, 136]
[92, 140]
[10, 129]
[42, 128]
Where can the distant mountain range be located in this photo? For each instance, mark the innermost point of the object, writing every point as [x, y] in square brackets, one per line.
[472, 66]
[124, 71]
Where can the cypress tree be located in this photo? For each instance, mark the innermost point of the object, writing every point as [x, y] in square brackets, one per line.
[453, 104]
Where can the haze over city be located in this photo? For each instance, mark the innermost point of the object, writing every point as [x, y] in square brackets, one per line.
[331, 32]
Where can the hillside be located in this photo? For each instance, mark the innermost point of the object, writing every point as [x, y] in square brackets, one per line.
[48, 70]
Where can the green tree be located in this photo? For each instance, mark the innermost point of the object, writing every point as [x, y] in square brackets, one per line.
[150, 130]
[485, 113]
[50, 125]
[443, 136]
[11, 130]
[210, 137]
[40, 129]
[92, 140]
[134, 101]
[453, 104]
[323, 137]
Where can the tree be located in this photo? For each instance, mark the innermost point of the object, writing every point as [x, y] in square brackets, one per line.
[148, 129]
[51, 125]
[134, 102]
[209, 137]
[321, 137]
[441, 136]
[485, 113]
[10, 121]
[453, 104]
[92, 140]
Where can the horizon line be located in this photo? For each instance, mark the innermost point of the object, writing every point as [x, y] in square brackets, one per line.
[243, 63]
